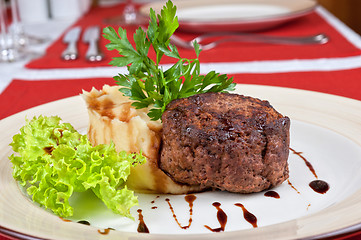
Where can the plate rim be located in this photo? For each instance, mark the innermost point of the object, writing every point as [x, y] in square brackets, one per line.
[273, 17]
[337, 232]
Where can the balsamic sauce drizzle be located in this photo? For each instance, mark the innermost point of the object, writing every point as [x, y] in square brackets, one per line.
[153, 201]
[317, 185]
[49, 150]
[190, 198]
[85, 222]
[142, 227]
[249, 217]
[273, 194]
[308, 164]
[289, 183]
[222, 219]
[105, 231]
[65, 220]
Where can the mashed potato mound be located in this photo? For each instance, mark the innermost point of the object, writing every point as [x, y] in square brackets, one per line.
[112, 118]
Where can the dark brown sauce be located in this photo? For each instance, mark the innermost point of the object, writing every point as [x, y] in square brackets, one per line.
[319, 186]
[142, 227]
[65, 220]
[48, 150]
[80, 221]
[249, 217]
[105, 231]
[152, 202]
[289, 183]
[190, 198]
[107, 109]
[84, 222]
[272, 194]
[222, 219]
[308, 164]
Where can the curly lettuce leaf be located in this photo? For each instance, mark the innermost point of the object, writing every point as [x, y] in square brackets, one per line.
[54, 161]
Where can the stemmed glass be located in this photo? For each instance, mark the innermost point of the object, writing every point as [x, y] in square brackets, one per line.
[130, 16]
[8, 45]
[14, 41]
[17, 28]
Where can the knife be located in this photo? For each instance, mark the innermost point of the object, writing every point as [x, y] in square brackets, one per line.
[91, 36]
[71, 38]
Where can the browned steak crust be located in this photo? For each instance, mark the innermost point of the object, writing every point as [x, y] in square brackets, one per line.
[225, 141]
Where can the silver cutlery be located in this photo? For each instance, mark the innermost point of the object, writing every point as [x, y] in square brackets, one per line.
[91, 36]
[71, 38]
[223, 37]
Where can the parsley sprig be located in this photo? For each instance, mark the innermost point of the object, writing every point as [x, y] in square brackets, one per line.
[147, 83]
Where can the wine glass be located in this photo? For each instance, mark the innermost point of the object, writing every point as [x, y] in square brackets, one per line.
[17, 29]
[130, 16]
[9, 47]
[14, 41]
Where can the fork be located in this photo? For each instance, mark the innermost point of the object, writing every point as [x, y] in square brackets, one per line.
[247, 37]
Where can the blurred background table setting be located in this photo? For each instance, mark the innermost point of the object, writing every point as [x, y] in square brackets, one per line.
[52, 49]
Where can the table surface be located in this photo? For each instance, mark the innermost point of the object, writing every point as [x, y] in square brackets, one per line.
[334, 75]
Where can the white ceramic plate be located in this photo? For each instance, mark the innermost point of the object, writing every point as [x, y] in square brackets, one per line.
[234, 15]
[324, 127]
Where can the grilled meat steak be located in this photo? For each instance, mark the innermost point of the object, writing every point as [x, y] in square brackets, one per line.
[225, 141]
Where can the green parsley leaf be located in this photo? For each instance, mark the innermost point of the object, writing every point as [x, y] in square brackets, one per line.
[147, 83]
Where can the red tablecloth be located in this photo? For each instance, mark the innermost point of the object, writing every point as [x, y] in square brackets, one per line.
[308, 25]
